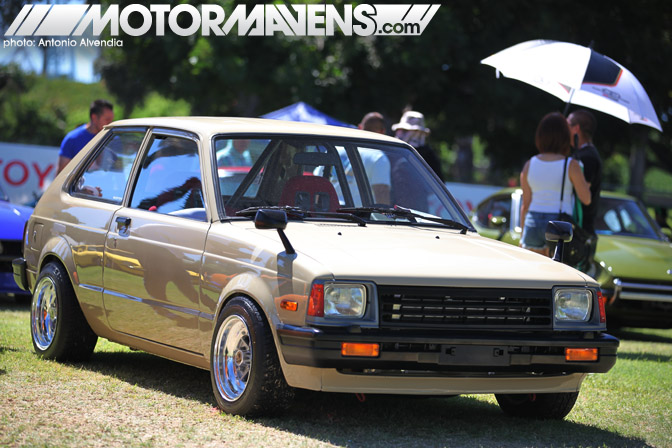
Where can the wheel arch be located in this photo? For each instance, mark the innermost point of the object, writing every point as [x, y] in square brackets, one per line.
[251, 286]
[58, 250]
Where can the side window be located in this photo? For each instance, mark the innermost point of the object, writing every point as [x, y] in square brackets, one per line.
[170, 179]
[106, 175]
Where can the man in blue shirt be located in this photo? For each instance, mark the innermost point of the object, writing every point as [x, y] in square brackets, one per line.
[100, 114]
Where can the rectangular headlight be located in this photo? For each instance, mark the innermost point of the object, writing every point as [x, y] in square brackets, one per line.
[344, 300]
[572, 305]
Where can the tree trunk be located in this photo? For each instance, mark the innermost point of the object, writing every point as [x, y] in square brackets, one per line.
[464, 164]
[637, 162]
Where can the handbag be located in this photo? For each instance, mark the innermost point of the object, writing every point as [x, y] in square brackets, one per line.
[577, 251]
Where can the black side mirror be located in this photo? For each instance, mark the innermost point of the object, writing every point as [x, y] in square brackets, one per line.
[559, 232]
[274, 219]
[270, 219]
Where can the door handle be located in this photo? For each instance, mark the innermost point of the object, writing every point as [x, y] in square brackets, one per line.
[122, 221]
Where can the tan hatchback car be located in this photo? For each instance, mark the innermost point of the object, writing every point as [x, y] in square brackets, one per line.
[281, 255]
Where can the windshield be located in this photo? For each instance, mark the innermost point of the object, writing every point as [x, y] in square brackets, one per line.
[625, 217]
[3, 196]
[326, 175]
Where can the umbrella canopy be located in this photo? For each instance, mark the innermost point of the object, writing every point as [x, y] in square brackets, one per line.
[577, 75]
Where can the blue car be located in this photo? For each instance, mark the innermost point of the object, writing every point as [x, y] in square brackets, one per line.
[12, 220]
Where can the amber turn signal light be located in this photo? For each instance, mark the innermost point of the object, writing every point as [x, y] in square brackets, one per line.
[359, 349]
[289, 305]
[581, 354]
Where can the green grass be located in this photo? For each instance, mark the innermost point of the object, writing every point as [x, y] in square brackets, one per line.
[70, 98]
[124, 398]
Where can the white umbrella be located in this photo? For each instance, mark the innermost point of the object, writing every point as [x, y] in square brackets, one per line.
[577, 75]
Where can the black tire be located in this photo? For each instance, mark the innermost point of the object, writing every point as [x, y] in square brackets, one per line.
[537, 406]
[57, 325]
[244, 367]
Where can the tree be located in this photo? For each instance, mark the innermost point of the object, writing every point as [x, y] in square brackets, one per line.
[438, 73]
[23, 120]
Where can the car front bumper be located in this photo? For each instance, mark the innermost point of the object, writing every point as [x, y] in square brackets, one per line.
[501, 353]
[639, 304]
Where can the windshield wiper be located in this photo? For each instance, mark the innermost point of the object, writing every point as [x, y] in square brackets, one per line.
[301, 213]
[406, 213]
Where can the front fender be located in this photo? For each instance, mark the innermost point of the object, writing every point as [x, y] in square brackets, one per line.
[251, 285]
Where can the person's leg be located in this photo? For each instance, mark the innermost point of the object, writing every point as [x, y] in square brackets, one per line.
[534, 233]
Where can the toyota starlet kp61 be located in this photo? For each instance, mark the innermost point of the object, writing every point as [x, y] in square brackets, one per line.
[282, 255]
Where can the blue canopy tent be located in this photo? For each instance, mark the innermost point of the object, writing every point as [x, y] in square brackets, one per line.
[303, 112]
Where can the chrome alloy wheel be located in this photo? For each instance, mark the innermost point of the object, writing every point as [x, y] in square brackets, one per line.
[44, 313]
[232, 358]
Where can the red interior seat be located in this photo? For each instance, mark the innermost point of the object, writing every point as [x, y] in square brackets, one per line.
[312, 193]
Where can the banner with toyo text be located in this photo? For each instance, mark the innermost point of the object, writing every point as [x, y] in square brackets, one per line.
[26, 171]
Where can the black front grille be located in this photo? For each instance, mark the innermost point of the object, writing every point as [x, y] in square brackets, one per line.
[473, 308]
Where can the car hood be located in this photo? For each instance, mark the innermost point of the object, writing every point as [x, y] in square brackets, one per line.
[393, 254]
[635, 258]
[13, 218]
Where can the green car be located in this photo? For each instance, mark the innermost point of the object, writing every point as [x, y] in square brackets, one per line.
[633, 260]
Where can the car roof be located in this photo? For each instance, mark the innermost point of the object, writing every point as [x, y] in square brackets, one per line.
[208, 126]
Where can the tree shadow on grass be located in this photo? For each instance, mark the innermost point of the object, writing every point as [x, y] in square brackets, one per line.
[632, 334]
[380, 420]
[403, 421]
[643, 357]
[19, 303]
[153, 372]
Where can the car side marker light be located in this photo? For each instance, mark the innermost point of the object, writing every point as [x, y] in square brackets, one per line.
[360, 349]
[581, 354]
[289, 305]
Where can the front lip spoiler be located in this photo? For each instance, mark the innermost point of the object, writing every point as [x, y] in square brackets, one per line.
[512, 353]
[19, 269]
